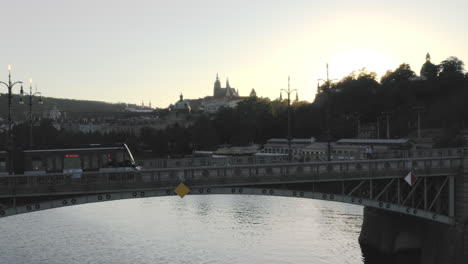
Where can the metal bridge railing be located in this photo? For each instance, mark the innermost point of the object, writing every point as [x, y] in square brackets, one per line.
[89, 182]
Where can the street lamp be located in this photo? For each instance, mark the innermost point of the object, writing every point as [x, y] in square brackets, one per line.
[9, 86]
[327, 117]
[388, 123]
[31, 95]
[419, 108]
[288, 92]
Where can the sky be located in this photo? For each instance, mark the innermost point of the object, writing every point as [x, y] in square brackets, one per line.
[142, 50]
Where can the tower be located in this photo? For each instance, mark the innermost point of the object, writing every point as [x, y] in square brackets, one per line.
[253, 93]
[428, 70]
[217, 86]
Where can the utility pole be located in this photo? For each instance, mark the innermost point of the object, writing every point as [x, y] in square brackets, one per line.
[288, 92]
[388, 123]
[378, 127]
[358, 124]
[327, 117]
[419, 108]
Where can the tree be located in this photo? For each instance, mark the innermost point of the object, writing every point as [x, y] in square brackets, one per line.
[402, 73]
[452, 68]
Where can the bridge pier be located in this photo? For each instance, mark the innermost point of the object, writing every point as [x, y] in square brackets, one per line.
[399, 237]
[392, 234]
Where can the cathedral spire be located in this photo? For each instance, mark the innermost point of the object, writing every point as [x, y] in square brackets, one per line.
[227, 83]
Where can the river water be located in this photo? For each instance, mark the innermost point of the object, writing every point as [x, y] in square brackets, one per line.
[196, 229]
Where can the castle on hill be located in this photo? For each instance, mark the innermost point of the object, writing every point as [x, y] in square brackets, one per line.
[228, 91]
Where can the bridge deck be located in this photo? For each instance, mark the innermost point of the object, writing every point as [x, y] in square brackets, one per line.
[377, 182]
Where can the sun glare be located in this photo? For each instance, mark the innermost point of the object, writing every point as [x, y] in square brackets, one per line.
[343, 63]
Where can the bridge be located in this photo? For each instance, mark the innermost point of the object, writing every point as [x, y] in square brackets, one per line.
[439, 194]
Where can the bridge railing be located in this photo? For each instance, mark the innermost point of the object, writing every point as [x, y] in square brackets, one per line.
[258, 160]
[92, 182]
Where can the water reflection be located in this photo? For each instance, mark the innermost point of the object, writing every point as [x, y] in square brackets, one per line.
[196, 229]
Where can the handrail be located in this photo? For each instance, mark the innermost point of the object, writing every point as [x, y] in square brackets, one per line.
[243, 166]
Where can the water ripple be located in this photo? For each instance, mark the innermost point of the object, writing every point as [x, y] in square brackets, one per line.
[196, 229]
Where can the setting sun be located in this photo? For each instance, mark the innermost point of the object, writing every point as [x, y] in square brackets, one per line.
[343, 63]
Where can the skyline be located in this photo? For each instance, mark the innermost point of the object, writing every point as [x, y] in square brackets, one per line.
[115, 51]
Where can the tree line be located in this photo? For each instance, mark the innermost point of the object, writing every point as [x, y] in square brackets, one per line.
[441, 97]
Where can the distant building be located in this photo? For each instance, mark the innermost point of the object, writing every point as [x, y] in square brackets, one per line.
[368, 131]
[281, 146]
[253, 93]
[227, 97]
[180, 112]
[54, 113]
[428, 70]
[212, 105]
[400, 143]
[228, 91]
[140, 109]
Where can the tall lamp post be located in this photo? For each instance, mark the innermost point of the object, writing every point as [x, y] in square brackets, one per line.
[30, 103]
[419, 108]
[288, 92]
[9, 86]
[327, 118]
[388, 123]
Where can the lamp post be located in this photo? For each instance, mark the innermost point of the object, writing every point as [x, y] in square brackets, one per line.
[327, 117]
[288, 92]
[419, 108]
[30, 103]
[388, 123]
[9, 86]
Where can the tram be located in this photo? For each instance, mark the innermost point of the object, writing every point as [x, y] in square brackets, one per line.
[70, 160]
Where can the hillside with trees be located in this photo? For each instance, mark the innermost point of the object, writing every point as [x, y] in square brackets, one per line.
[442, 96]
[19, 111]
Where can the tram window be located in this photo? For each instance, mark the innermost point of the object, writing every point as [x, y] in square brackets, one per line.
[36, 163]
[94, 161]
[50, 164]
[71, 162]
[58, 163]
[119, 156]
[107, 161]
[2, 164]
[86, 162]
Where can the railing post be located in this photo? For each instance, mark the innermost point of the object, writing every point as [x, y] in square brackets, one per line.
[425, 193]
[398, 192]
[451, 196]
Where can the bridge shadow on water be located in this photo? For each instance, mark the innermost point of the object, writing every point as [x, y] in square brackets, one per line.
[373, 256]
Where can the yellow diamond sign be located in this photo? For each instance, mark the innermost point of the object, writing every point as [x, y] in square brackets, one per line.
[182, 190]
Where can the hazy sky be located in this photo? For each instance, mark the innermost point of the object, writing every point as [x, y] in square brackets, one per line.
[126, 51]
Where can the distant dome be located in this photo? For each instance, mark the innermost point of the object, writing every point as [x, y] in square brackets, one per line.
[181, 104]
[428, 70]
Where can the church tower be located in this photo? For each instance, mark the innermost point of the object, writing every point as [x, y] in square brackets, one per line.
[229, 92]
[217, 86]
